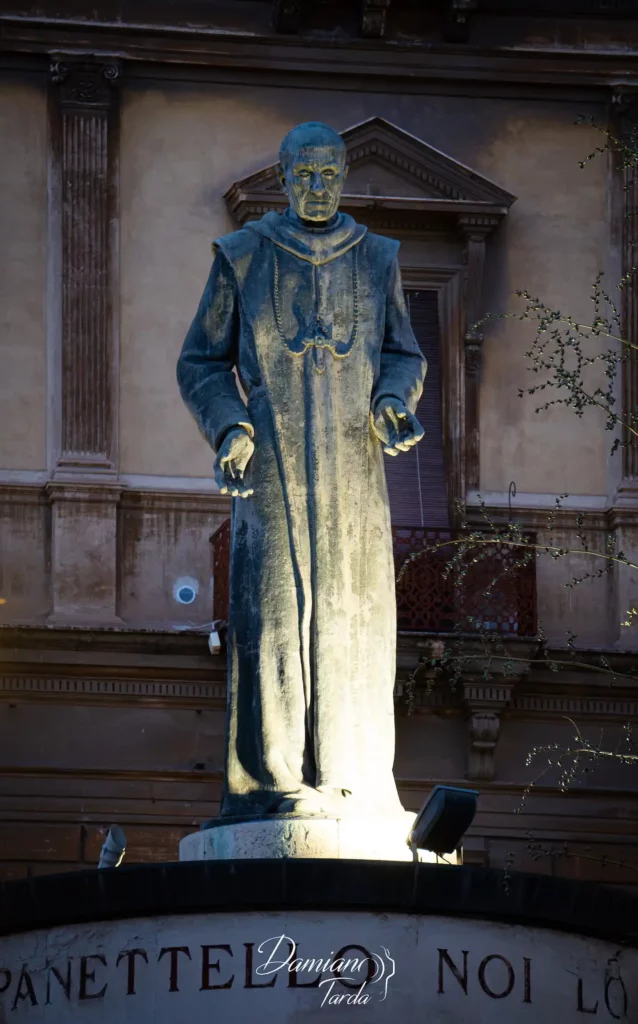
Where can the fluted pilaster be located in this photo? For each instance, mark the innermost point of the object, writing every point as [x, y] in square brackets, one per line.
[84, 104]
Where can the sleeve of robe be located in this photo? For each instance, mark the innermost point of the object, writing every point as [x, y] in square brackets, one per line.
[209, 354]
[402, 366]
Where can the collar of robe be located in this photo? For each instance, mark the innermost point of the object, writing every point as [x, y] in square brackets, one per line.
[316, 245]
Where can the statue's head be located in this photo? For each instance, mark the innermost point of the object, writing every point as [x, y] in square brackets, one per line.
[312, 170]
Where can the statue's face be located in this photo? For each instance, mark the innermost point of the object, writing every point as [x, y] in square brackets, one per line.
[313, 178]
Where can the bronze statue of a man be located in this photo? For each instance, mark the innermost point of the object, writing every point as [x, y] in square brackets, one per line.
[308, 309]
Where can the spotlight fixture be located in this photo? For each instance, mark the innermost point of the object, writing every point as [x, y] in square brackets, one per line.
[444, 819]
[114, 848]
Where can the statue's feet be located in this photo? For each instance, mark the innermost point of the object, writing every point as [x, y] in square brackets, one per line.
[339, 801]
[325, 801]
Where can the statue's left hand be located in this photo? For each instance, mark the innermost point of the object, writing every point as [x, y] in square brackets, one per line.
[396, 427]
[235, 452]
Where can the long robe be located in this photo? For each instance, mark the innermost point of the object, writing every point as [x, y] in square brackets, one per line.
[316, 327]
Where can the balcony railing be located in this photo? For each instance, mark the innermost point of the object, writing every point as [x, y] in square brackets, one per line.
[446, 588]
[486, 588]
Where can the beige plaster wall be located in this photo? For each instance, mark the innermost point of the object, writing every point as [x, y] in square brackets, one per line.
[554, 243]
[180, 152]
[23, 227]
[182, 146]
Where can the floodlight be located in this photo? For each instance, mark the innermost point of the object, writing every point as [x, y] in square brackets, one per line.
[444, 819]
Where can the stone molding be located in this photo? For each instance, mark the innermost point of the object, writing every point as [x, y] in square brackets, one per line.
[115, 665]
[23, 494]
[98, 690]
[209, 48]
[86, 492]
[565, 519]
[188, 501]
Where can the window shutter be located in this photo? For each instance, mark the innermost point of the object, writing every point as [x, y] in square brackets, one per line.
[417, 484]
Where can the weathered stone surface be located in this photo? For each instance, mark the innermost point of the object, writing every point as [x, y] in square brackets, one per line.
[290, 941]
[350, 838]
[308, 308]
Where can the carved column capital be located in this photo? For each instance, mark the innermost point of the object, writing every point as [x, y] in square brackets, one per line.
[85, 83]
[624, 104]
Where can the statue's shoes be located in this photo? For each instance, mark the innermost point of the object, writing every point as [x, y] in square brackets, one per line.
[301, 807]
[338, 802]
[325, 801]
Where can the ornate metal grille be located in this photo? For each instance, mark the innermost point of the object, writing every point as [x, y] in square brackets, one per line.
[486, 588]
[221, 571]
[431, 596]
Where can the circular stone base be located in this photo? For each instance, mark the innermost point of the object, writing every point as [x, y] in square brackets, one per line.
[353, 838]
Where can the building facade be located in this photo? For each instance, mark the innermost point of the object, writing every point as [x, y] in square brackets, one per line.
[133, 137]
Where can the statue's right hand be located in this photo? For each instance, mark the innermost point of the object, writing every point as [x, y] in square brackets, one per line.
[232, 458]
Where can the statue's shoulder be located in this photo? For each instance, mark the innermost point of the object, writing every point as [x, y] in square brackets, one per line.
[382, 250]
[237, 245]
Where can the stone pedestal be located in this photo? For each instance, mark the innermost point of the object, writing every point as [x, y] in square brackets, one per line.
[352, 838]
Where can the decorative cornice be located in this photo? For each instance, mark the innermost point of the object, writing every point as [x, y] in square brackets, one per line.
[158, 692]
[205, 776]
[128, 498]
[143, 688]
[208, 46]
[477, 226]
[95, 641]
[546, 518]
[555, 706]
[617, 516]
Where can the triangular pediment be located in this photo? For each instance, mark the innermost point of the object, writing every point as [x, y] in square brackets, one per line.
[390, 169]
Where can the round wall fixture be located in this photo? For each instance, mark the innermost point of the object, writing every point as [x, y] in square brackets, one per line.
[185, 590]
